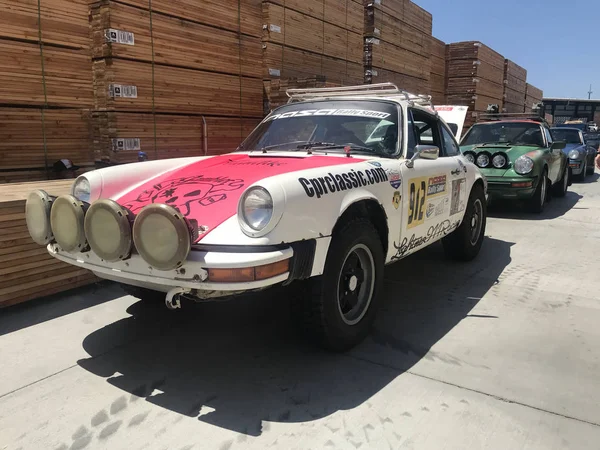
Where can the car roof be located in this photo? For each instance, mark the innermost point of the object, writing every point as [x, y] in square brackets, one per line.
[508, 121]
[566, 128]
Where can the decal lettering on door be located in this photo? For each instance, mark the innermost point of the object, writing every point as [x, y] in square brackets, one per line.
[417, 193]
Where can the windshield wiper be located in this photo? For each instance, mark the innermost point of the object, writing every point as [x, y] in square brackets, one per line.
[332, 146]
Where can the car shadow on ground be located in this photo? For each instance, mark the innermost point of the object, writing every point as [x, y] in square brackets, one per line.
[591, 178]
[239, 365]
[53, 306]
[556, 207]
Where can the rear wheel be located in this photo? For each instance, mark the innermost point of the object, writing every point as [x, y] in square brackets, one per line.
[336, 310]
[465, 242]
[538, 202]
[560, 188]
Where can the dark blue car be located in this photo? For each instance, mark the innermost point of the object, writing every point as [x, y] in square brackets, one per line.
[579, 151]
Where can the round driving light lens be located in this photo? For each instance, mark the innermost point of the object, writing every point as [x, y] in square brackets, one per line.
[499, 161]
[483, 160]
[82, 189]
[574, 154]
[523, 165]
[108, 230]
[470, 157]
[37, 216]
[257, 208]
[162, 236]
[66, 218]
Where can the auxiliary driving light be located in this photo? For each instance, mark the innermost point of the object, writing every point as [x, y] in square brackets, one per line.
[66, 219]
[37, 216]
[499, 161]
[108, 230]
[483, 160]
[162, 236]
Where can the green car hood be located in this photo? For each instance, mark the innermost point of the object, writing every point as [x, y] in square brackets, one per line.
[513, 152]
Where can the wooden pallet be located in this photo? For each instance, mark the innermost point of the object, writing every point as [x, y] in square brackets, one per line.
[63, 22]
[176, 89]
[515, 84]
[457, 68]
[383, 55]
[513, 69]
[67, 76]
[403, 81]
[533, 92]
[232, 15]
[175, 42]
[275, 90]
[515, 97]
[510, 107]
[176, 135]
[476, 51]
[474, 86]
[475, 102]
[22, 133]
[27, 271]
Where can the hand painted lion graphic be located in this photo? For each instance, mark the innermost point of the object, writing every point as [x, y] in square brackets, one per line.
[188, 193]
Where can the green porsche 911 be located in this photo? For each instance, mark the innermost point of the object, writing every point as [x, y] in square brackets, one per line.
[519, 159]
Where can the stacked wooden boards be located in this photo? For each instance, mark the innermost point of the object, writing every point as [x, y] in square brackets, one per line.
[438, 71]
[171, 73]
[515, 87]
[276, 90]
[397, 45]
[311, 39]
[533, 96]
[27, 271]
[475, 77]
[44, 67]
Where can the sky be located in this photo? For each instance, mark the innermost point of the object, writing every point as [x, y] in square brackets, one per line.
[555, 40]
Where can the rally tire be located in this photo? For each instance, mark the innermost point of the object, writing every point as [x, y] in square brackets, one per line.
[559, 189]
[590, 168]
[537, 203]
[464, 243]
[317, 308]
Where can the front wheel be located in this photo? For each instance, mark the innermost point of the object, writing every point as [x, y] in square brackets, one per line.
[590, 168]
[465, 242]
[560, 188]
[538, 202]
[336, 310]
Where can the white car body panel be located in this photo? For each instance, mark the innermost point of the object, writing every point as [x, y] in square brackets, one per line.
[454, 114]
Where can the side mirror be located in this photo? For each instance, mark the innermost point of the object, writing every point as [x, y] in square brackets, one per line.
[430, 152]
[558, 145]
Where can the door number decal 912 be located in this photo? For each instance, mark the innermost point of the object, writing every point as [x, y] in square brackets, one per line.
[417, 192]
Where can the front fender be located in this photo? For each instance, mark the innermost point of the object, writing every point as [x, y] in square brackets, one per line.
[356, 196]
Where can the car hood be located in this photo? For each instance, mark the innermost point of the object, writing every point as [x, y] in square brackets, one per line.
[571, 147]
[209, 190]
[513, 152]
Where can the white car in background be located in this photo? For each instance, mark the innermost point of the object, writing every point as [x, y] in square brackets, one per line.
[308, 198]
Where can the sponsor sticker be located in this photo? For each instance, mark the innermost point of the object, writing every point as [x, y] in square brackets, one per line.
[436, 185]
[407, 245]
[436, 208]
[459, 196]
[331, 183]
[395, 179]
[329, 112]
[396, 199]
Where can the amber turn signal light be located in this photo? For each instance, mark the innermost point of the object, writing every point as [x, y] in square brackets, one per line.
[248, 273]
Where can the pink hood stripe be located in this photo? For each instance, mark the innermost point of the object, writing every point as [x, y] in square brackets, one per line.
[209, 190]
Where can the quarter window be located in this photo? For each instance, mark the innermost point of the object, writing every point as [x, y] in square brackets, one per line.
[451, 148]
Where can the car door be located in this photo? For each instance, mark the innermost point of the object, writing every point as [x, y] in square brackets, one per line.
[427, 184]
[556, 158]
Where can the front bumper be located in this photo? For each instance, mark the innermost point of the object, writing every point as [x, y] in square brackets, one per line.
[511, 188]
[192, 275]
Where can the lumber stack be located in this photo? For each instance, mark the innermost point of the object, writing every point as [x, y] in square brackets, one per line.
[158, 80]
[397, 45]
[27, 271]
[45, 66]
[533, 95]
[438, 71]
[515, 87]
[475, 77]
[276, 90]
[310, 40]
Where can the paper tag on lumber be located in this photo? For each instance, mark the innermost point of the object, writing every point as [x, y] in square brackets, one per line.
[275, 72]
[126, 144]
[119, 36]
[122, 91]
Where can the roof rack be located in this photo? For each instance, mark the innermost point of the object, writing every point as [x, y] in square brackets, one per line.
[367, 90]
[509, 116]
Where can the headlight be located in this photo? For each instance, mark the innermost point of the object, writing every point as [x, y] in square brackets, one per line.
[37, 216]
[162, 236]
[499, 161]
[66, 218]
[574, 154]
[256, 209]
[523, 165]
[81, 189]
[470, 157]
[483, 160]
[108, 231]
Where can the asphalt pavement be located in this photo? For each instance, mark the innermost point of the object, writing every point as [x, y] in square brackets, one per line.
[500, 353]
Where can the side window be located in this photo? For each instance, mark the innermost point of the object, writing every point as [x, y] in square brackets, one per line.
[427, 131]
[548, 136]
[451, 148]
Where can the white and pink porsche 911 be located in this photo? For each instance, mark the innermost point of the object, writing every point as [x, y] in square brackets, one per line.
[325, 192]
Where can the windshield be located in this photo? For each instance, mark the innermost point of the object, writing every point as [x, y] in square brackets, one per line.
[513, 133]
[569, 136]
[368, 127]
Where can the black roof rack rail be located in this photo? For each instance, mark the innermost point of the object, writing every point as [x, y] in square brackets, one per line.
[508, 116]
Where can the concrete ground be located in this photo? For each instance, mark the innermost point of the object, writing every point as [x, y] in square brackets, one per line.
[500, 353]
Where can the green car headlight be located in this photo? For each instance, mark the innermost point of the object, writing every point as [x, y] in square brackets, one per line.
[523, 165]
